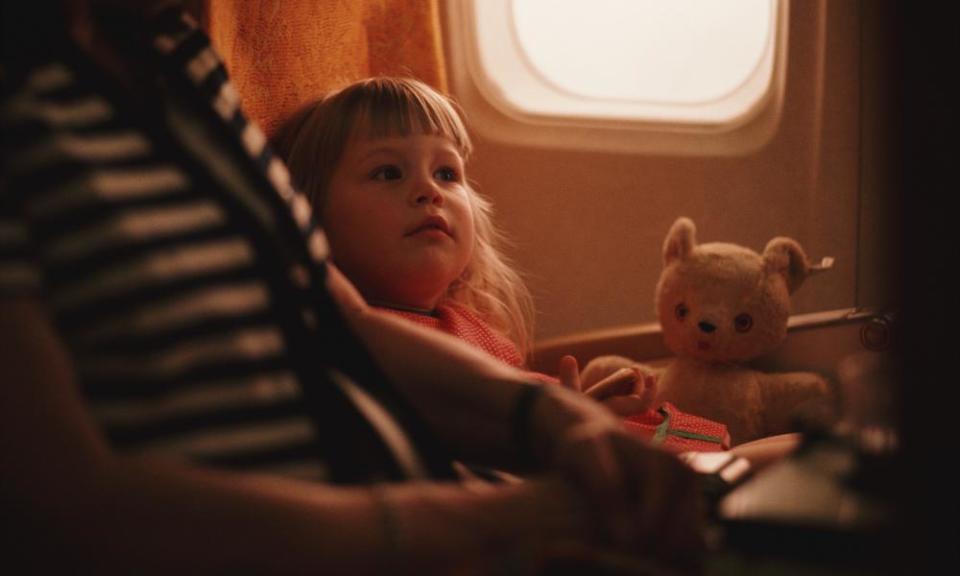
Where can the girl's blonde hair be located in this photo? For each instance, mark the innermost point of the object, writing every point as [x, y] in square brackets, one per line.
[313, 140]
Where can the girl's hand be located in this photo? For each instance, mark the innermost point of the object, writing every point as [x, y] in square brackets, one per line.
[627, 390]
[641, 499]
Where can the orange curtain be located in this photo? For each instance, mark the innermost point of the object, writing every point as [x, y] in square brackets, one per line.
[282, 53]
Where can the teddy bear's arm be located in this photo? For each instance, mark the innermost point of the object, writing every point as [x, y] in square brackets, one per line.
[787, 394]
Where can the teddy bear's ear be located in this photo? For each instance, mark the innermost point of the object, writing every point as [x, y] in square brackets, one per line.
[785, 256]
[680, 240]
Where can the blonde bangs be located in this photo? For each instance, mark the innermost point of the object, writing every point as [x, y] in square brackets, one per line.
[401, 106]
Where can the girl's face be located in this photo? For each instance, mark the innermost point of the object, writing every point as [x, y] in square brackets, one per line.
[399, 218]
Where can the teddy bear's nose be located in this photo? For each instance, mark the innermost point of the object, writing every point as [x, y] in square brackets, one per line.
[706, 327]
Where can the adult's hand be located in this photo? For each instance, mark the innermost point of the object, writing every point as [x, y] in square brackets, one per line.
[643, 500]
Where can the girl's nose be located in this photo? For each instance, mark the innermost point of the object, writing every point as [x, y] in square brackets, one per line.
[427, 193]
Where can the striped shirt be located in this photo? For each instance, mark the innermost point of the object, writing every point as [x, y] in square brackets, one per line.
[185, 275]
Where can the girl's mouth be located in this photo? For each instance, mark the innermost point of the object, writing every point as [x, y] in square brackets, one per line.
[429, 224]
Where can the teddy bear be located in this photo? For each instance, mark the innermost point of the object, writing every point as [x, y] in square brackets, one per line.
[719, 306]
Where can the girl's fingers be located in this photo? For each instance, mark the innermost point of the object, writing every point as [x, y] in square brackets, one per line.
[648, 389]
[621, 382]
[569, 373]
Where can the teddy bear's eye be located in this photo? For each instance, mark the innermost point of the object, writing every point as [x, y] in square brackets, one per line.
[681, 311]
[743, 322]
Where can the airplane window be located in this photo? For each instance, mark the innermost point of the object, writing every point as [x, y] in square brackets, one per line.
[688, 52]
[635, 64]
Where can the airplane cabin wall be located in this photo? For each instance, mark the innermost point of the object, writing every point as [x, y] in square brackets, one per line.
[587, 226]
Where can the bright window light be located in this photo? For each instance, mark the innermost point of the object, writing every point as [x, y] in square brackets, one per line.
[692, 62]
[677, 51]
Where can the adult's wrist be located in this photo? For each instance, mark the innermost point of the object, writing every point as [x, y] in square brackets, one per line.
[390, 553]
[521, 422]
[500, 529]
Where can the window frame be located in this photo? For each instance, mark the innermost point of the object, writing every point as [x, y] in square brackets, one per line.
[494, 116]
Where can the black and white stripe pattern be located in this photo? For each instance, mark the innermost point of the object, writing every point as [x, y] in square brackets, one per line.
[175, 312]
[159, 294]
[186, 45]
[155, 291]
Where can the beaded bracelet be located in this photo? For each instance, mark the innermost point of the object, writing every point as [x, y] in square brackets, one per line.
[390, 559]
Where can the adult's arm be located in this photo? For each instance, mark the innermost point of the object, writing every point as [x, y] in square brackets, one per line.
[640, 493]
[73, 503]
[465, 394]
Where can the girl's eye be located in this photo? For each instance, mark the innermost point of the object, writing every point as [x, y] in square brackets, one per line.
[681, 311]
[447, 175]
[386, 173]
[743, 322]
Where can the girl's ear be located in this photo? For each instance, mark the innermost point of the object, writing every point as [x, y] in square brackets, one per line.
[680, 241]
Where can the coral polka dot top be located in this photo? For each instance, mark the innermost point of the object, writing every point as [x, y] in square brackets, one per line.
[664, 426]
[465, 324]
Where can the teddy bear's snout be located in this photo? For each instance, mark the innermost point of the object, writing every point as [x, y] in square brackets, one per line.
[706, 327]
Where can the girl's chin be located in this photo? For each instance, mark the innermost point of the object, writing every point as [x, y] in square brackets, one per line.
[420, 283]
[417, 297]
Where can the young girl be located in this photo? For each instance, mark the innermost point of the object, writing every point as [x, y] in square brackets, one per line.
[383, 162]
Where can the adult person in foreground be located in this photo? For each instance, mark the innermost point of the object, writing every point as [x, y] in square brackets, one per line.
[188, 386]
